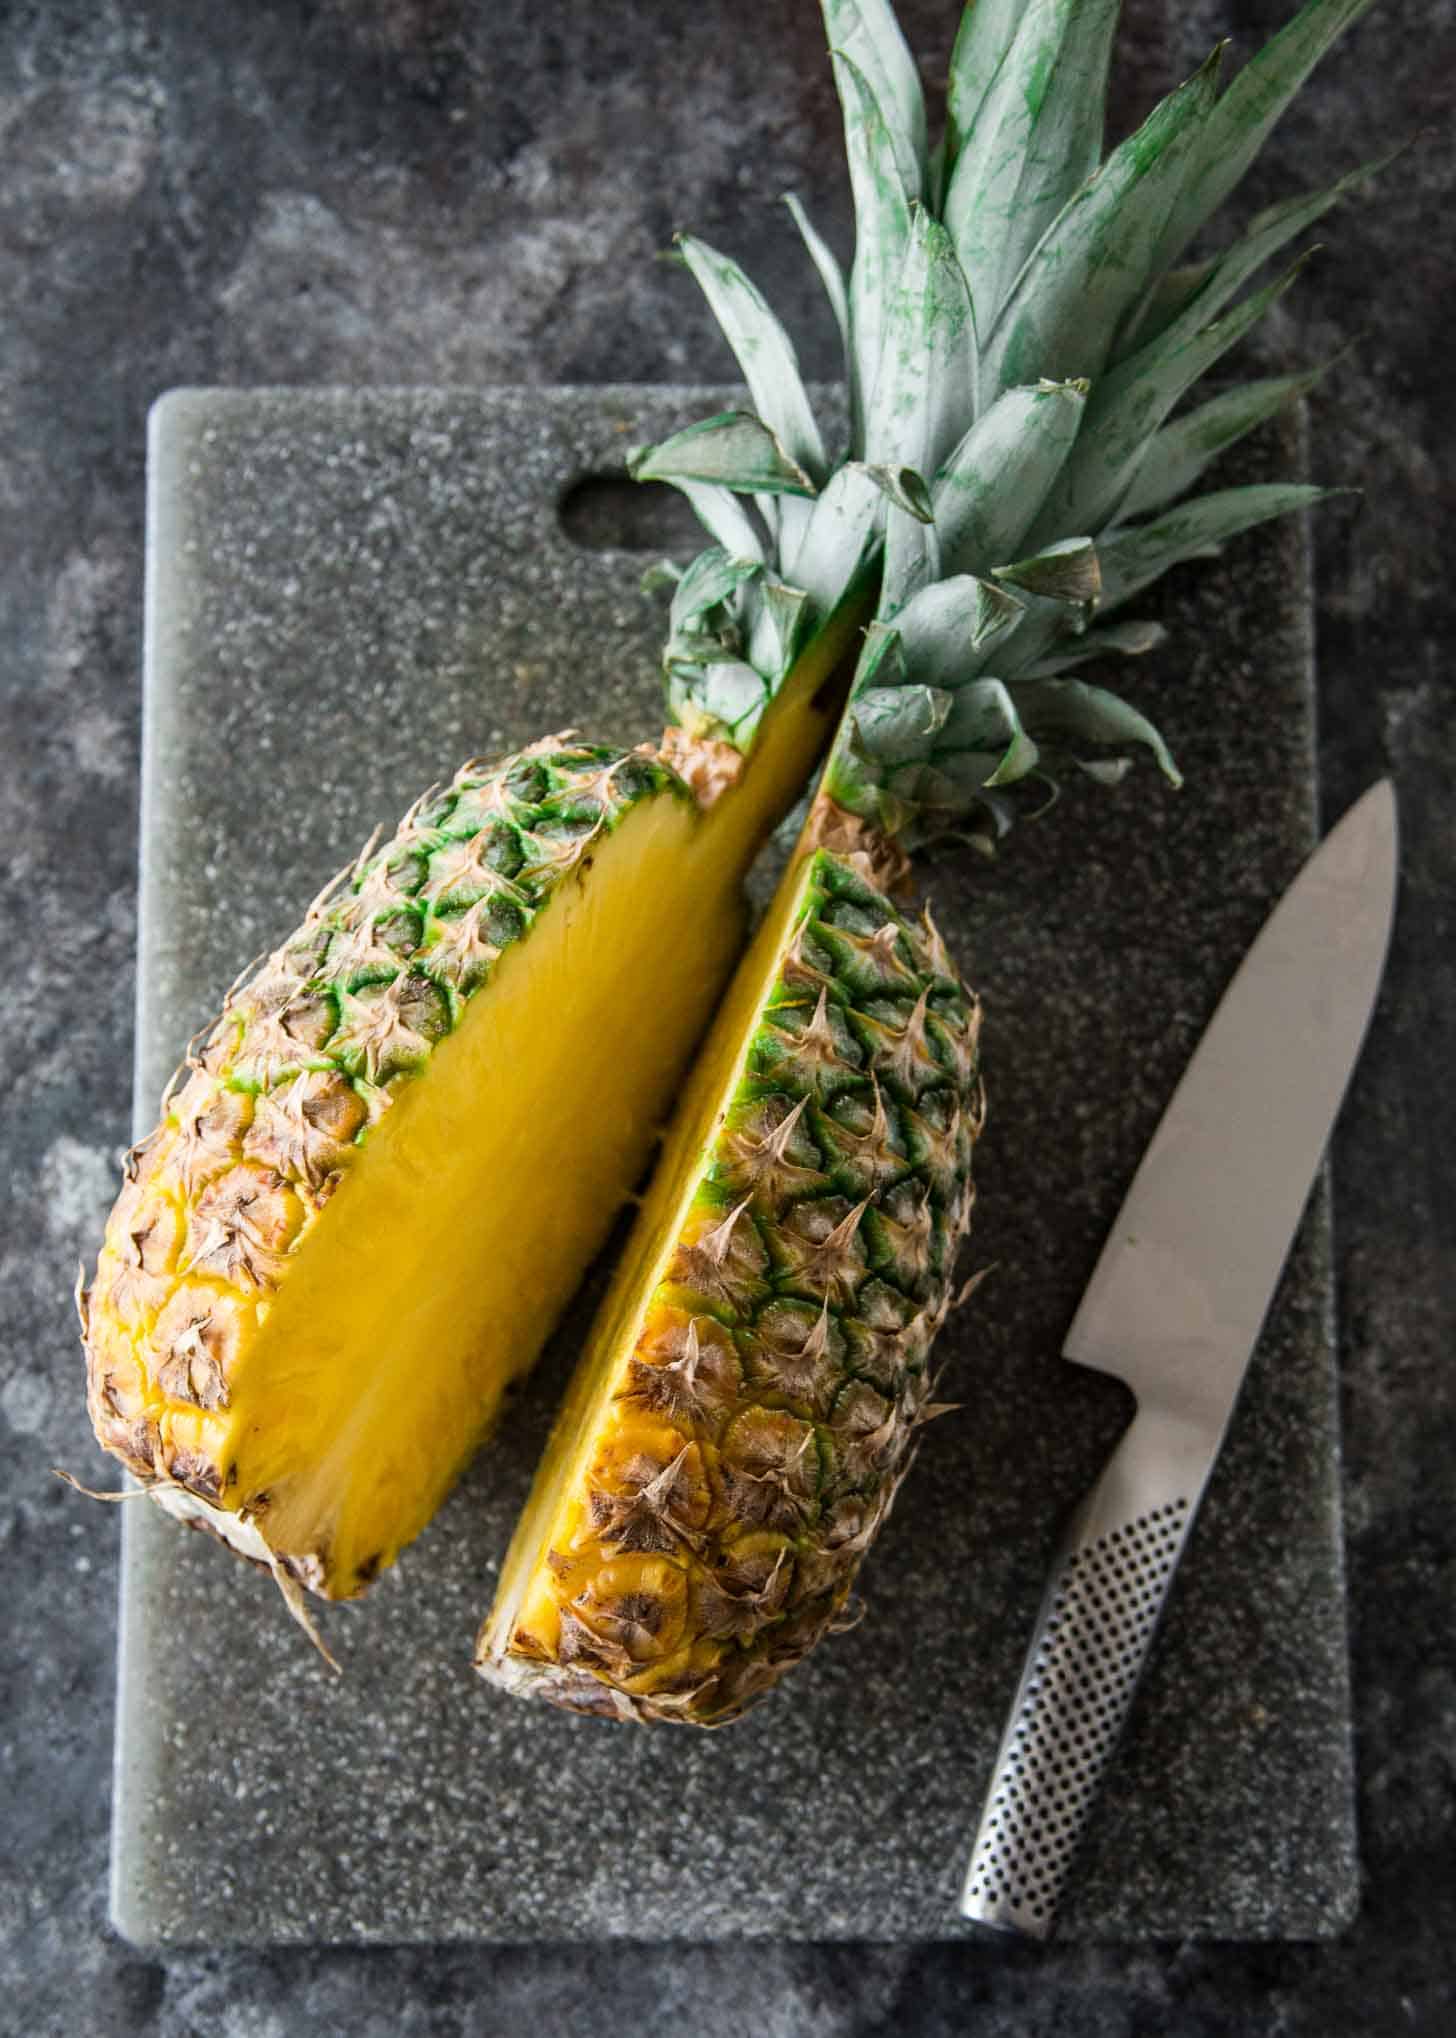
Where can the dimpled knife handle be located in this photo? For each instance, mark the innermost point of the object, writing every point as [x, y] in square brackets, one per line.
[1106, 1591]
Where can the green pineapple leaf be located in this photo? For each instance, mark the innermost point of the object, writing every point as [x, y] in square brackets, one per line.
[830, 274]
[777, 619]
[948, 627]
[1189, 299]
[1118, 640]
[867, 33]
[1038, 138]
[763, 351]
[1127, 408]
[723, 517]
[882, 202]
[722, 699]
[1246, 114]
[1064, 713]
[983, 41]
[989, 491]
[710, 581]
[840, 535]
[1065, 571]
[1177, 456]
[926, 378]
[734, 449]
[1133, 558]
[1093, 263]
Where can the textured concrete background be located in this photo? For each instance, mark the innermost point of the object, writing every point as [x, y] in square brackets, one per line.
[421, 190]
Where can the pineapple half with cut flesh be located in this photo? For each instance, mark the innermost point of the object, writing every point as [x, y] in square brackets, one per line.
[377, 1184]
[1016, 337]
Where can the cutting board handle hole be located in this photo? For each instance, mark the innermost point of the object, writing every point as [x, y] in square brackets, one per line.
[609, 513]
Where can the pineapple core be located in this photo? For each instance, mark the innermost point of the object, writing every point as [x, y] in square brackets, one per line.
[454, 1243]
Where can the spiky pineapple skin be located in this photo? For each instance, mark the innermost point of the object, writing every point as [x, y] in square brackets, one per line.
[308, 1054]
[770, 1407]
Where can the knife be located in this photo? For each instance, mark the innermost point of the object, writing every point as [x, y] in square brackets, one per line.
[1174, 1308]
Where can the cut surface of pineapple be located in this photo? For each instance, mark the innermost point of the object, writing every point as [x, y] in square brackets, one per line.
[488, 1189]
[745, 1405]
[325, 1270]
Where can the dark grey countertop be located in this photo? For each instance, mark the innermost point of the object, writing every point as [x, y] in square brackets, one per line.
[386, 191]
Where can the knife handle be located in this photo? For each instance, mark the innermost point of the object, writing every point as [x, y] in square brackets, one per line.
[1108, 1585]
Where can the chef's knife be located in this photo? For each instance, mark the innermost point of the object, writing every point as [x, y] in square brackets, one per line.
[1175, 1307]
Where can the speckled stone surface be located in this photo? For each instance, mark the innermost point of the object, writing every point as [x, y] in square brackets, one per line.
[349, 592]
[377, 191]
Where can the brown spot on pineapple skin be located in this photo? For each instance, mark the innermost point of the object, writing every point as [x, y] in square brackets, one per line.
[681, 1369]
[195, 1340]
[724, 1263]
[645, 1503]
[243, 1224]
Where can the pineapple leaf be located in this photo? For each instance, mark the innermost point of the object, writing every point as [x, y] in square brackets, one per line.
[734, 449]
[989, 491]
[912, 559]
[723, 517]
[933, 749]
[945, 627]
[1120, 640]
[711, 579]
[984, 716]
[1092, 263]
[1246, 114]
[763, 351]
[983, 41]
[1037, 139]
[838, 535]
[898, 724]
[1177, 456]
[867, 32]
[830, 273]
[1066, 571]
[882, 204]
[1128, 406]
[723, 699]
[1135, 557]
[904, 488]
[776, 616]
[926, 377]
[1063, 713]
[1188, 299]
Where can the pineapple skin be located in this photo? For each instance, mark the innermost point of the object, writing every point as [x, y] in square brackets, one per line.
[752, 1446]
[310, 1051]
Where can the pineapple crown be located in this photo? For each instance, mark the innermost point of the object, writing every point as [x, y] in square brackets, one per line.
[1018, 324]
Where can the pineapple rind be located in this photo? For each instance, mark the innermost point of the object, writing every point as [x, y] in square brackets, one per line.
[308, 1054]
[741, 1462]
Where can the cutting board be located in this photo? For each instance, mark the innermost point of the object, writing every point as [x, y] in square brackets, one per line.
[348, 593]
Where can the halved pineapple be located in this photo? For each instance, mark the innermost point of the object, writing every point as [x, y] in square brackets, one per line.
[745, 1406]
[407, 1135]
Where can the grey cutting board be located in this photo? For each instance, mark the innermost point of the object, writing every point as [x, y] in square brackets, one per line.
[348, 593]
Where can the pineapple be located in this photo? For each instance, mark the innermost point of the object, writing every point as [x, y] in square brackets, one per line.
[1017, 335]
[735, 1434]
[379, 1181]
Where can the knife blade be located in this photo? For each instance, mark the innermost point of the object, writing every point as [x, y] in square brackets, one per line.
[1174, 1308]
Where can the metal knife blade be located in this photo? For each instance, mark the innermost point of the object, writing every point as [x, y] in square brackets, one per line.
[1175, 1307]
